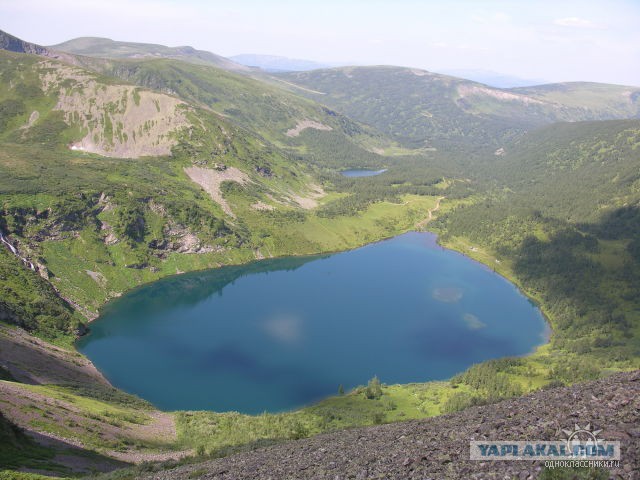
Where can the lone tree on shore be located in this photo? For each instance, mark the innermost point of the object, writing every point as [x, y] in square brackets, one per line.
[374, 389]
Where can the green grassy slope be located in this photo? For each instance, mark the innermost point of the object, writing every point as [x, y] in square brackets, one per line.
[575, 171]
[610, 101]
[58, 203]
[31, 303]
[18, 450]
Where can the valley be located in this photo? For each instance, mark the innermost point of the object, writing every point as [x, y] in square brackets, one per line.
[124, 164]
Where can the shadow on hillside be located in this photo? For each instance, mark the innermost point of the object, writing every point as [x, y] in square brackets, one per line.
[25, 449]
[575, 275]
[73, 458]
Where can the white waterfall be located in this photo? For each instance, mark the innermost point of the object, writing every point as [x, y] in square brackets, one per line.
[15, 252]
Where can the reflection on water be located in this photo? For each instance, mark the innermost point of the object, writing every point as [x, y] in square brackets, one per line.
[278, 334]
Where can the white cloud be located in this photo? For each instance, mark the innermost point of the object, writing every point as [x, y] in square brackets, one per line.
[576, 22]
[284, 328]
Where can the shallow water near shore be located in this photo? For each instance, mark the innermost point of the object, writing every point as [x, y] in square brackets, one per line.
[279, 334]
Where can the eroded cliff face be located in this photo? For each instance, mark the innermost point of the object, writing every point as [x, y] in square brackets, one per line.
[115, 120]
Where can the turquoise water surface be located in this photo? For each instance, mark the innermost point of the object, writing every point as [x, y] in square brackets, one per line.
[278, 334]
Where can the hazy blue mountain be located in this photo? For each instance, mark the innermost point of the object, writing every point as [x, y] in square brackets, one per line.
[491, 78]
[275, 63]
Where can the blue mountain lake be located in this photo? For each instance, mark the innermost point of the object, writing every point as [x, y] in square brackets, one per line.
[362, 173]
[279, 334]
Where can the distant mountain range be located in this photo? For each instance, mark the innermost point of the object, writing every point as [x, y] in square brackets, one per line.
[275, 63]
[280, 64]
[491, 78]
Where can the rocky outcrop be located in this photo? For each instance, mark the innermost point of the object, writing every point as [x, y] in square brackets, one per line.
[14, 44]
[181, 239]
[438, 448]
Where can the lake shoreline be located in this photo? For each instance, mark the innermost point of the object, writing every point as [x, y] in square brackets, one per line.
[548, 333]
[434, 278]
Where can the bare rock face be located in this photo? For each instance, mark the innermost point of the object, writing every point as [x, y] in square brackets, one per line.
[438, 447]
[14, 44]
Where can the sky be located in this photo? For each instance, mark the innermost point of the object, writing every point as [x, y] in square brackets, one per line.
[554, 40]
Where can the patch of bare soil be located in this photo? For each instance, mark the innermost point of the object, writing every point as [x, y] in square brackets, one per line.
[33, 118]
[304, 124]
[34, 361]
[465, 90]
[262, 206]
[421, 73]
[299, 87]
[67, 426]
[211, 180]
[309, 201]
[97, 277]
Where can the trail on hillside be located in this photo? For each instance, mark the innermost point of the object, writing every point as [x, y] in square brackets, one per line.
[423, 223]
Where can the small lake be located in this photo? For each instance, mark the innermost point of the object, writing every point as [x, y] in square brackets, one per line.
[279, 334]
[362, 173]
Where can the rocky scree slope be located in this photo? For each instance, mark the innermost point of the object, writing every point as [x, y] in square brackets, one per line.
[438, 447]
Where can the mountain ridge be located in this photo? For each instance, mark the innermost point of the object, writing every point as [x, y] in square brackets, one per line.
[108, 48]
[413, 106]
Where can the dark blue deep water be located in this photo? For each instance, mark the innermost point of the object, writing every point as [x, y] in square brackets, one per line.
[280, 334]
